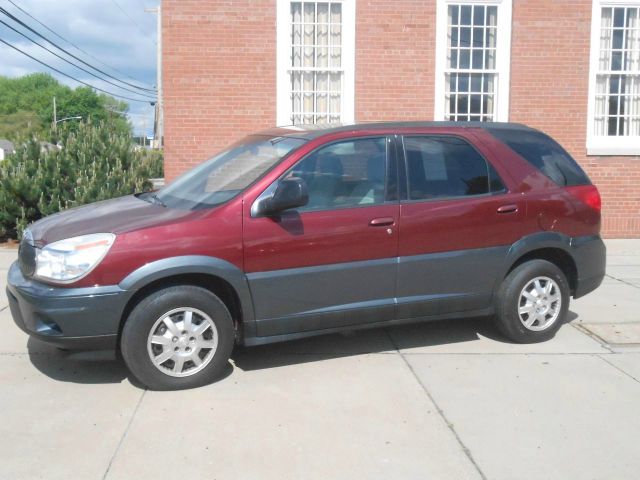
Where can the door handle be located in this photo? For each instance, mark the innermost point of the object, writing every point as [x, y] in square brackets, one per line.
[381, 222]
[508, 209]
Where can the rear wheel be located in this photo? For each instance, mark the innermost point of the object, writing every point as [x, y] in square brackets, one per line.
[532, 302]
[178, 337]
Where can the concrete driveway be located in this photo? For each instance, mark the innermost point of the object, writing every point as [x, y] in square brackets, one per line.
[445, 400]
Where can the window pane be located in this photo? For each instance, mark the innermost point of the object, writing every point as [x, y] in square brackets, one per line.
[323, 12]
[440, 167]
[478, 14]
[296, 11]
[345, 174]
[453, 14]
[336, 13]
[465, 15]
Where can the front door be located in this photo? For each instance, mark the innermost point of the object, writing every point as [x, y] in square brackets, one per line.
[331, 263]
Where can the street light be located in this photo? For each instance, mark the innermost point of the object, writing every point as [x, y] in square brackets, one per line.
[78, 117]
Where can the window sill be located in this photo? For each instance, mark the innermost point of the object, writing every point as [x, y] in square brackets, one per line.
[629, 146]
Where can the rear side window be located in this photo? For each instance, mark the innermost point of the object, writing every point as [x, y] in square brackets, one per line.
[439, 167]
[545, 154]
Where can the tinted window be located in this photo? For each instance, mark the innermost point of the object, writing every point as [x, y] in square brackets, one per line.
[446, 167]
[545, 154]
[343, 174]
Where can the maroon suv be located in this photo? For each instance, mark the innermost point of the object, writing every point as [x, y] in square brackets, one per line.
[294, 232]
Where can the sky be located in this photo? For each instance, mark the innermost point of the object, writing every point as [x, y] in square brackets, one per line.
[118, 33]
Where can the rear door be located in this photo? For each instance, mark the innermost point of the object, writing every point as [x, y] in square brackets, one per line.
[331, 263]
[457, 222]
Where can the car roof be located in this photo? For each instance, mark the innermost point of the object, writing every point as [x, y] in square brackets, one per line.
[310, 132]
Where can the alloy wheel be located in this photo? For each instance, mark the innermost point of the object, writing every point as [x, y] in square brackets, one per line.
[540, 304]
[182, 342]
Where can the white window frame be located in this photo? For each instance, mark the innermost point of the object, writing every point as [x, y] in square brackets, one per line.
[283, 61]
[604, 144]
[503, 55]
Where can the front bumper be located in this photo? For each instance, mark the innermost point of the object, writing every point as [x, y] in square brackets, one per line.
[73, 318]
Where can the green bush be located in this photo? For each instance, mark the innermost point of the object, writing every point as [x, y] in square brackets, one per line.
[96, 162]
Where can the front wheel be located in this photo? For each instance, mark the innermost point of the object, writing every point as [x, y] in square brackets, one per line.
[178, 337]
[532, 302]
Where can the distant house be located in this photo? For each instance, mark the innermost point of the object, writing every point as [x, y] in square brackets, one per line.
[6, 147]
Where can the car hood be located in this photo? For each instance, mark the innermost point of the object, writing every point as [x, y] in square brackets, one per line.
[118, 215]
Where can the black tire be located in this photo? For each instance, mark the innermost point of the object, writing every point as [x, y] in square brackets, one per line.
[508, 301]
[149, 310]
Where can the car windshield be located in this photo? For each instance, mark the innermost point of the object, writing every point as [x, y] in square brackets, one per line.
[225, 175]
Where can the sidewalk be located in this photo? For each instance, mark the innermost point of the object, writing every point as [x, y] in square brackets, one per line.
[443, 400]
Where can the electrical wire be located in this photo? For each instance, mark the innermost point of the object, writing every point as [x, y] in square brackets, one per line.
[129, 17]
[70, 62]
[17, 20]
[73, 44]
[73, 78]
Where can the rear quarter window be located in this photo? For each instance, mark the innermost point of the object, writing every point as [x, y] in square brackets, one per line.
[545, 154]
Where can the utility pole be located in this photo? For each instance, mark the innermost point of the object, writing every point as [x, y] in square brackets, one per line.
[55, 115]
[159, 121]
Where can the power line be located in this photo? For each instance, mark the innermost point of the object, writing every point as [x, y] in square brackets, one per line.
[17, 20]
[73, 78]
[73, 44]
[68, 61]
[129, 17]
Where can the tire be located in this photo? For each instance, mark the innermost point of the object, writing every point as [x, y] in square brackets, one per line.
[178, 326]
[516, 307]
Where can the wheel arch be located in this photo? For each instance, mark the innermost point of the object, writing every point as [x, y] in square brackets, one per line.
[220, 277]
[550, 246]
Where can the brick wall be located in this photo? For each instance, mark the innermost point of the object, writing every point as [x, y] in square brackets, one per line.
[220, 80]
[218, 70]
[395, 59]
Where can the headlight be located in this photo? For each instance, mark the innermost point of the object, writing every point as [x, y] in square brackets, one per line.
[70, 259]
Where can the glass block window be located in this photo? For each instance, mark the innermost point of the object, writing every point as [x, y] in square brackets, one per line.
[617, 82]
[471, 74]
[316, 66]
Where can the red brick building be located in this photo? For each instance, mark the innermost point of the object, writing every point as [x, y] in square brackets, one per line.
[570, 68]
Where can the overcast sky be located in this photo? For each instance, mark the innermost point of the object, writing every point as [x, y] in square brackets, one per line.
[116, 32]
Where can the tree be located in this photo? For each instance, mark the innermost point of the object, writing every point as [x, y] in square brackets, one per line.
[26, 105]
[96, 162]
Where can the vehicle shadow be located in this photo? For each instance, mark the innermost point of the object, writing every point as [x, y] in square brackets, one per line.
[361, 342]
[76, 367]
[106, 367]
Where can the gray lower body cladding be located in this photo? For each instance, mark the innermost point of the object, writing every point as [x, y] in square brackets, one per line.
[300, 302]
[74, 318]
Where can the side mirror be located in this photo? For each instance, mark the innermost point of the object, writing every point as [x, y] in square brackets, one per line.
[289, 193]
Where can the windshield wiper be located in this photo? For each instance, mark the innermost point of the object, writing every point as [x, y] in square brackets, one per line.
[151, 197]
[155, 199]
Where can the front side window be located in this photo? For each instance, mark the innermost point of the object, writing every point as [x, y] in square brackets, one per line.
[445, 167]
[345, 174]
[225, 175]
[472, 60]
[315, 62]
[615, 79]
